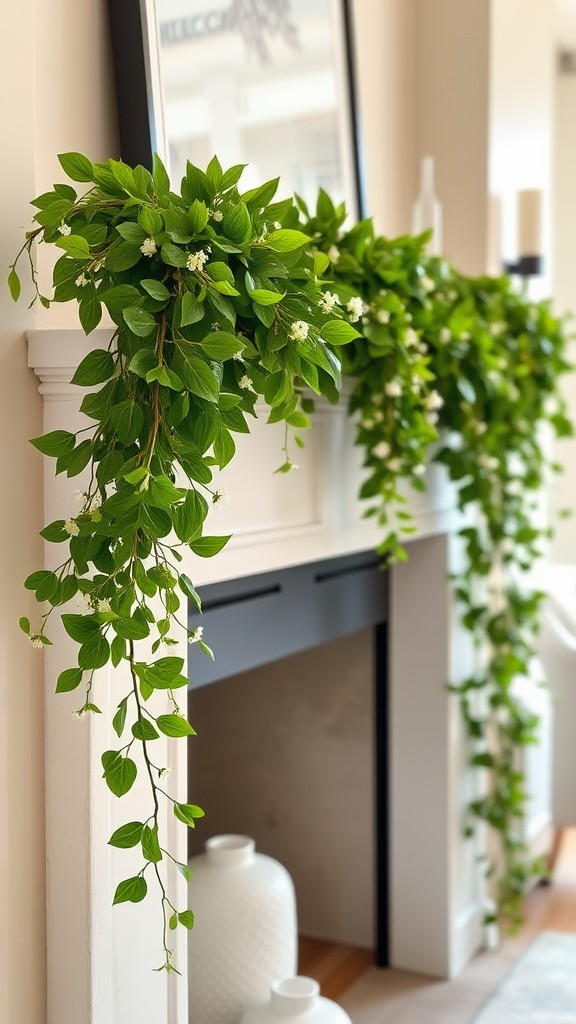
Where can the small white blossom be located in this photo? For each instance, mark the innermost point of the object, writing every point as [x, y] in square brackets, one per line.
[328, 301]
[479, 428]
[81, 281]
[427, 283]
[333, 254]
[394, 465]
[433, 401]
[299, 330]
[452, 295]
[393, 389]
[217, 215]
[419, 470]
[368, 423]
[64, 228]
[148, 247]
[411, 339]
[381, 450]
[417, 382]
[445, 335]
[488, 462]
[383, 316]
[497, 329]
[432, 418]
[71, 527]
[84, 602]
[164, 773]
[355, 306]
[246, 383]
[378, 416]
[409, 317]
[196, 635]
[196, 260]
[465, 336]
[238, 357]
[103, 605]
[80, 497]
[220, 497]
[36, 641]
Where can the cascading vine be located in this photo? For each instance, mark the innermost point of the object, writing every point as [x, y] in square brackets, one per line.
[217, 298]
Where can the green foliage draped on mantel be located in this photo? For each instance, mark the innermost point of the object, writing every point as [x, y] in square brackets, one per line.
[220, 297]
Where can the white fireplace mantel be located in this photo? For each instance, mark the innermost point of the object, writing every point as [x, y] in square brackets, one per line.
[100, 958]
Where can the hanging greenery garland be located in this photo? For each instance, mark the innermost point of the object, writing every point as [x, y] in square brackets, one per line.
[479, 362]
[218, 298]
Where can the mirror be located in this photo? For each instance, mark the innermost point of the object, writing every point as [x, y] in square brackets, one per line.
[262, 82]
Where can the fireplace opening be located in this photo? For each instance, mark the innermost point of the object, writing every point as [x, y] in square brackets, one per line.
[292, 735]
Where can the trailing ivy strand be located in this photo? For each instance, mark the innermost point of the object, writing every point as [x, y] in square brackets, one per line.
[215, 304]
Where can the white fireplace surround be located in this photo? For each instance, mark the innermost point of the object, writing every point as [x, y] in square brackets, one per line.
[100, 958]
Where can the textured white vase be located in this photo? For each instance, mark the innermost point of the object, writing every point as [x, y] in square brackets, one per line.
[245, 933]
[296, 1000]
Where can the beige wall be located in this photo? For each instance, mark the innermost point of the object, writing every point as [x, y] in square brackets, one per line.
[55, 80]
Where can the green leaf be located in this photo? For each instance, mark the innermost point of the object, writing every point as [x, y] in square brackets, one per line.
[174, 725]
[144, 361]
[57, 442]
[80, 627]
[208, 546]
[189, 515]
[94, 652]
[184, 870]
[156, 289]
[150, 845]
[131, 232]
[139, 321]
[55, 532]
[77, 166]
[131, 629]
[339, 332]
[144, 730]
[75, 245]
[237, 223]
[221, 345]
[14, 284]
[24, 624]
[188, 813]
[119, 772]
[119, 719]
[95, 368]
[160, 176]
[173, 255]
[43, 582]
[198, 214]
[287, 239]
[151, 221]
[127, 835]
[122, 256]
[128, 420]
[186, 917]
[196, 374]
[188, 588]
[68, 680]
[173, 922]
[131, 890]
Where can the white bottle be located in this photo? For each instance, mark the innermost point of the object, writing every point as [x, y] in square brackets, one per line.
[296, 1000]
[245, 934]
[427, 211]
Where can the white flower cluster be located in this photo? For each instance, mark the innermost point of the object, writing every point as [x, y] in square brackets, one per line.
[299, 330]
[71, 527]
[196, 260]
[220, 497]
[381, 450]
[355, 307]
[81, 281]
[64, 228]
[148, 247]
[433, 401]
[246, 383]
[196, 635]
[216, 215]
[333, 254]
[393, 389]
[328, 301]
[383, 316]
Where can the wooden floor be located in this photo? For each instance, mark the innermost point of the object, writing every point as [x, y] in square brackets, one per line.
[548, 908]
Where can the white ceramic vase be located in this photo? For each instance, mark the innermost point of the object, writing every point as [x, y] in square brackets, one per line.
[245, 934]
[297, 1000]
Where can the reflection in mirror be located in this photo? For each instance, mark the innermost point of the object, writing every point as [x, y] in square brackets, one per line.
[261, 82]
